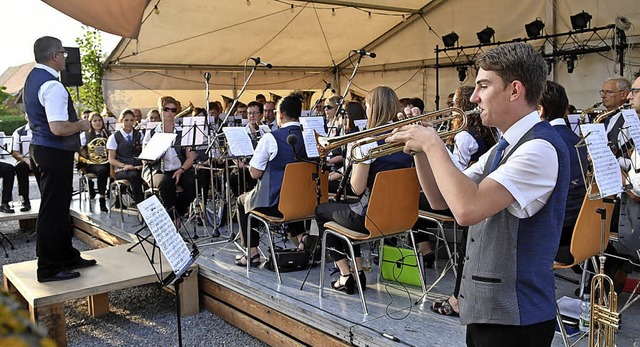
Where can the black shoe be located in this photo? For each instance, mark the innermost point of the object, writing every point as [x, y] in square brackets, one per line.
[255, 261]
[26, 206]
[348, 287]
[4, 207]
[92, 190]
[363, 280]
[428, 260]
[59, 276]
[81, 263]
[103, 205]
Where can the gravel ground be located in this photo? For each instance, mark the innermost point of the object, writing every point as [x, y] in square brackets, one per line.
[139, 316]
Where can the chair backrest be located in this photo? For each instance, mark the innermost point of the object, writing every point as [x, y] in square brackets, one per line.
[298, 197]
[587, 233]
[393, 205]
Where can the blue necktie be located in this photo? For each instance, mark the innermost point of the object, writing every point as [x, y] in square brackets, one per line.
[129, 138]
[502, 144]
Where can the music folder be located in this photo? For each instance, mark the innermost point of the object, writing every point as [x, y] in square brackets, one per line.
[155, 148]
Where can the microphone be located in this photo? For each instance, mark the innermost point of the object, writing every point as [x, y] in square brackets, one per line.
[292, 140]
[327, 86]
[207, 76]
[364, 52]
[258, 61]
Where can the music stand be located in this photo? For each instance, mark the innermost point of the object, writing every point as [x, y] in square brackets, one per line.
[172, 246]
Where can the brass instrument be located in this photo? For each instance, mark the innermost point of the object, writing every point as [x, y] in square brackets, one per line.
[328, 144]
[605, 319]
[185, 111]
[97, 150]
[604, 116]
[591, 110]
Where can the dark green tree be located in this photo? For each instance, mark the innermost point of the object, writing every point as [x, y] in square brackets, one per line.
[5, 99]
[91, 58]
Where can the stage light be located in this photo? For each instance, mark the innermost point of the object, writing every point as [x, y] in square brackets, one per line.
[462, 73]
[571, 63]
[580, 21]
[450, 40]
[534, 29]
[485, 35]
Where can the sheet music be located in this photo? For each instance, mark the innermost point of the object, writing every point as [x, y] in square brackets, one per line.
[264, 129]
[310, 144]
[25, 141]
[632, 124]
[239, 142]
[362, 124]
[574, 122]
[165, 234]
[192, 127]
[110, 124]
[313, 123]
[605, 166]
[305, 113]
[152, 125]
[156, 147]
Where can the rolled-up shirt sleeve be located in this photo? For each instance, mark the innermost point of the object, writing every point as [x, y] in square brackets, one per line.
[54, 97]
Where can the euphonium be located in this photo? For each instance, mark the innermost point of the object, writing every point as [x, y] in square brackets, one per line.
[328, 144]
[185, 111]
[604, 116]
[97, 150]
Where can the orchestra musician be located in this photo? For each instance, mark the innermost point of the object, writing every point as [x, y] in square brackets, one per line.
[513, 204]
[381, 107]
[124, 146]
[254, 114]
[97, 130]
[176, 165]
[270, 158]
[20, 152]
[354, 112]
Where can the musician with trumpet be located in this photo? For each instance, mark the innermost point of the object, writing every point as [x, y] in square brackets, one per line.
[382, 106]
[513, 199]
[93, 156]
[124, 146]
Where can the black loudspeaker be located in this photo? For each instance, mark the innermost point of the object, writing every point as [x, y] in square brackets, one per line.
[71, 76]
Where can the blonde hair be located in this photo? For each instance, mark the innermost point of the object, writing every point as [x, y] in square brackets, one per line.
[164, 100]
[384, 105]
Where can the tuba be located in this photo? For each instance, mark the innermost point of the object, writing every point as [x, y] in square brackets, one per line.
[187, 110]
[97, 150]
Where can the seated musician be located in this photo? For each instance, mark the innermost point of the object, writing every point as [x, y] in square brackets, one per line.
[100, 170]
[254, 115]
[241, 180]
[124, 146]
[381, 107]
[175, 167]
[354, 112]
[271, 156]
[20, 152]
[153, 116]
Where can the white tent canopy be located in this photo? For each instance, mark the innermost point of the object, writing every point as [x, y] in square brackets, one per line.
[308, 41]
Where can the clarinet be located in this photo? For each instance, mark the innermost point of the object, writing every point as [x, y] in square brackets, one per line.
[343, 181]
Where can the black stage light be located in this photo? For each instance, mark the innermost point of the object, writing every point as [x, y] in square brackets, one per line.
[450, 40]
[534, 29]
[485, 35]
[580, 21]
[571, 60]
[462, 73]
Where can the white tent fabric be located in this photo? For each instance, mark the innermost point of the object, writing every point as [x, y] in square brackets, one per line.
[308, 41]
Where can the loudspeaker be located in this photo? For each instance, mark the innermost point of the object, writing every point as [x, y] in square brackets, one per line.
[71, 76]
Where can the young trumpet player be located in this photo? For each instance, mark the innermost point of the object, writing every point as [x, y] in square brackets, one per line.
[513, 200]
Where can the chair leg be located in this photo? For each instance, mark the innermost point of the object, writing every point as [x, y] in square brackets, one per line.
[418, 262]
[247, 246]
[273, 252]
[563, 331]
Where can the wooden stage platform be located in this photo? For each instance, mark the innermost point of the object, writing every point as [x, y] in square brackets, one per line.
[286, 315]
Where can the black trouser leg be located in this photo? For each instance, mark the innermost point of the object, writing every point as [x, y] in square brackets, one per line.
[22, 174]
[7, 174]
[102, 171]
[188, 184]
[54, 169]
[343, 215]
[495, 335]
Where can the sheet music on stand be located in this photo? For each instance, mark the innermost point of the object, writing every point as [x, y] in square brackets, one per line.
[632, 124]
[311, 125]
[166, 237]
[574, 122]
[606, 170]
[155, 148]
[362, 124]
[110, 124]
[192, 131]
[238, 141]
[25, 141]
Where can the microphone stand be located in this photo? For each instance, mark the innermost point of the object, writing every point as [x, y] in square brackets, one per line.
[327, 86]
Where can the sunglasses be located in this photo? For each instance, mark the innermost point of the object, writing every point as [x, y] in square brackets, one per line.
[328, 107]
[172, 109]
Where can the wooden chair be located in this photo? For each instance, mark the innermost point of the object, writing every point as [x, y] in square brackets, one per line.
[298, 201]
[392, 210]
[586, 242]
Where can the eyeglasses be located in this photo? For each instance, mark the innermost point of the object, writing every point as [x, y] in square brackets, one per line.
[609, 92]
[256, 113]
[635, 91]
[172, 109]
[328, 107]
[64, 53]
[450, 103]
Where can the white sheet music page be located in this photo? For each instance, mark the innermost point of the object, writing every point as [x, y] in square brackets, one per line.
[310, 144]
[165, 234]
[574, 122]
[239, 142]
[360, 123]
[156, 147]
[192, 127]
[110, 123]
[605, 166]
[632, 123]
[313, 123]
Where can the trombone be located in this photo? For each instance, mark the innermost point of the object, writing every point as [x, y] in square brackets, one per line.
[327, 144]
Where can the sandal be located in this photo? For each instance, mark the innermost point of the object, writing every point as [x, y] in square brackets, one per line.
[348, 286]
[302, 244]
[444, 308]
[255, 261]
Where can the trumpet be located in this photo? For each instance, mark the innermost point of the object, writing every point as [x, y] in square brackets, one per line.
[604, 116]
[605, 318]
[328, 144]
